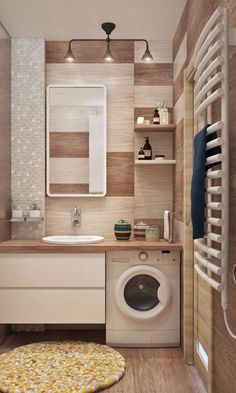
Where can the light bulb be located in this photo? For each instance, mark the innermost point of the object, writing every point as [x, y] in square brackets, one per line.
[147, 56]
[69, 57]
[108, 55]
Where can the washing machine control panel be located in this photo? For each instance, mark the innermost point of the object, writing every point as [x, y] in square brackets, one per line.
[143, 256]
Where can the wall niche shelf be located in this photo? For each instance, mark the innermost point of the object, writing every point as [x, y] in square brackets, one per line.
[155, 162]
[154, 127]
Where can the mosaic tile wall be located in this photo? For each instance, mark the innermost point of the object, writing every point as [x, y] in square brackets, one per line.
[28, 132]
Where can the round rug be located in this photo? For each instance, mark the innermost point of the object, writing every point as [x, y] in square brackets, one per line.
[60, 367]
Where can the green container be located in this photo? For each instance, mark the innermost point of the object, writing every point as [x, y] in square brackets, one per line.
[122, 230]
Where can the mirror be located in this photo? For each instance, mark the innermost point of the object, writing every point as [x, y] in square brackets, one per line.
[76, 140]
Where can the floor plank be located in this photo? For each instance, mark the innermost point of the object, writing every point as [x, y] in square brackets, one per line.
[148, 370]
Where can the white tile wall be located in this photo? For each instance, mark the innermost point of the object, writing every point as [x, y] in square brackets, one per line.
[28, 131]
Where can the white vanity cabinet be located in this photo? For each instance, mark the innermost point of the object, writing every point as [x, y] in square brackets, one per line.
[52, 288]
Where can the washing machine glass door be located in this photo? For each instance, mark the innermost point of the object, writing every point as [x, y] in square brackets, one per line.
[142, 292]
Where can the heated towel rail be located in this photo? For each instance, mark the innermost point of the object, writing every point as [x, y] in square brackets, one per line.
[211, 85]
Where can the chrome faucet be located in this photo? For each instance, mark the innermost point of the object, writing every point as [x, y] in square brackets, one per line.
[76, 217]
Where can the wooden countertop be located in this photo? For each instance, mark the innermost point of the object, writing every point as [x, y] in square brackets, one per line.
[37, 245]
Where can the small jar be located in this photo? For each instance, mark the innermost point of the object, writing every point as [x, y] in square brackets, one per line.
[152, 234]
[139, 230]
[122, 230]
[141, 154]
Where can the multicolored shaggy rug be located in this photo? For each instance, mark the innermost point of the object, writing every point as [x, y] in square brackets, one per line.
[60, 367]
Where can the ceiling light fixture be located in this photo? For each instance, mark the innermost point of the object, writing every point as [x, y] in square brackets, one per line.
[108, 27]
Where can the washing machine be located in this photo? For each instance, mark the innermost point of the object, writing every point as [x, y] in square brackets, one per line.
[143, 298]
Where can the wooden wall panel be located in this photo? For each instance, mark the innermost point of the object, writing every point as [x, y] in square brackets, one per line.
[69, 170]
[153, 192]
[120, 174]
[69, 188]
[120, 119]
[69, 144]
[179, 109]
[153, 74]
[154, 83]
[72, 118]
[98, 215]
[89, 52]
[231, 4]
[104, 74]
[180, 58]
[149, 96]
[224, 351]
[198, 13]
[178, 87]
[179, 169]
[180, 32]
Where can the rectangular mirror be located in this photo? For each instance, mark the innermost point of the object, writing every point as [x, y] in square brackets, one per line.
[76, 140]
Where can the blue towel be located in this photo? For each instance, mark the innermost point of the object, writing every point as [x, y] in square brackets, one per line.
[198, 179]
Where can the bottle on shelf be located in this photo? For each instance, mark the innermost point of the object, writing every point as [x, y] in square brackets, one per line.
[147, 148]
[156, 117]
[141, 154]
[164, 114]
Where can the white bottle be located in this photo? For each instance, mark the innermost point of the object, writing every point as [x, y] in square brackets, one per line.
[164, 116]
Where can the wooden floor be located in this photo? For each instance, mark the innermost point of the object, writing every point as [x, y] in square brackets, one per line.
[148, 370]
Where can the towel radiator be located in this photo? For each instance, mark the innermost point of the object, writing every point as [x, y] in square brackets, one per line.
[211, 84]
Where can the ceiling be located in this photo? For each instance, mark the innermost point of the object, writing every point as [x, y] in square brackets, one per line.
[64, 19]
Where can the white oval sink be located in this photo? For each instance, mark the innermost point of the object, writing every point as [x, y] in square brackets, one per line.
[73, 239]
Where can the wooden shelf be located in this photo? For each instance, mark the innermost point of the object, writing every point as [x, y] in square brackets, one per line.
[154, 127]
[155, 162]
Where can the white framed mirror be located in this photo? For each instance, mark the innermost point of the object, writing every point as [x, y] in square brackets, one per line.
[76, 140]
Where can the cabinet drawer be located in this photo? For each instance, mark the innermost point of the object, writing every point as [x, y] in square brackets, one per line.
[52, 270]
[52, 306]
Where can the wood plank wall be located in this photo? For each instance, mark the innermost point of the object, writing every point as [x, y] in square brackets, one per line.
[194, 17]
[133, 88]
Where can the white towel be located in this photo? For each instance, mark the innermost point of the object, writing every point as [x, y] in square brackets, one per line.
[167, 224]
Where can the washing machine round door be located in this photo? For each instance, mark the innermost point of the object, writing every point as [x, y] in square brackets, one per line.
[142, 292]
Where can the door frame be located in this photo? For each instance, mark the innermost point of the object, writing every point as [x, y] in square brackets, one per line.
[191, 279]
